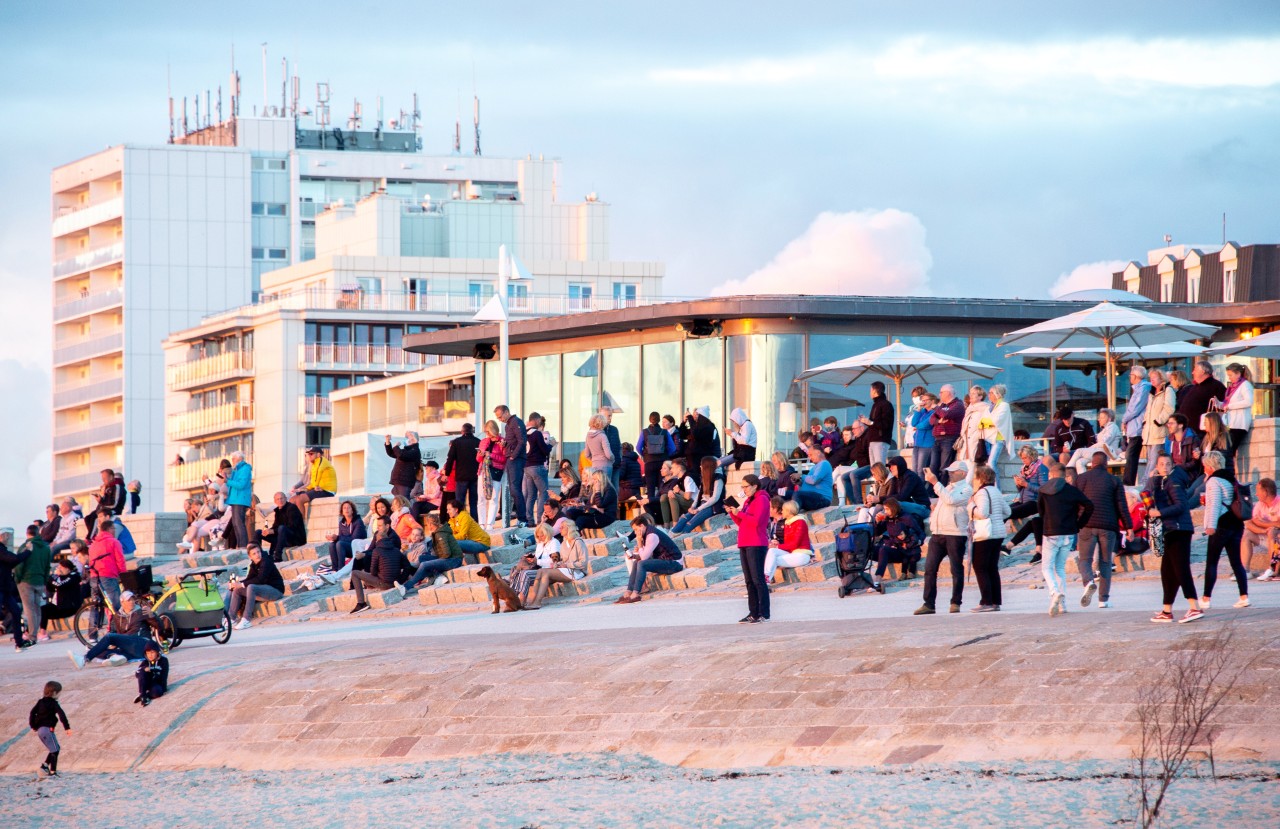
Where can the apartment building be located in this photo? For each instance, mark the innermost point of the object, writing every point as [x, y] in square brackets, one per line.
[1227, 274]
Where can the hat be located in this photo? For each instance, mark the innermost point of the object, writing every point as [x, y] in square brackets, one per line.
[959, 466]
[314, 450]
[128, 594]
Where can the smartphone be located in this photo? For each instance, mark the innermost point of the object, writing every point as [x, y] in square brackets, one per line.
[731, 502]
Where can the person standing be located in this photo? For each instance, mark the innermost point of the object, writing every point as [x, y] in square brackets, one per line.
[999, 435]
[699, 436]
[1173, 508]
[240, 497]
[972, 431]
[950, 526]
[601, 454]
[1237, 405]
[10, 603]
[988, 511]
[879, 424]
[1133, 422]
[538, 446]
[946, 418]
[106, 563]
[1063, 509]
[752, 518]
[43, 719]
[922, 403]
[1160, 407]
[1223, 528]
[654, 446]
[463, 465]
[615, 445]
[32, 576]
[1101, 530]
[1200, 394]
[408, 463]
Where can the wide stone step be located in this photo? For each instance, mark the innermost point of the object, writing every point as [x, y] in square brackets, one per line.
[814, 571]
[686, 579]
[598, 582]
[213, 559]
[461, 593]
[701, 560]
[307, 599]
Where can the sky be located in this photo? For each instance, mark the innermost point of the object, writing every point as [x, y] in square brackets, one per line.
[957, 149]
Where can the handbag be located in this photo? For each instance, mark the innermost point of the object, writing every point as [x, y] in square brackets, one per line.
[984, 527]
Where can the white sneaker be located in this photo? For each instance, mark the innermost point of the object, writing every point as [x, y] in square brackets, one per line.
[1244, 602]
[440, 579]
[400, 588]
[1204, 604]
[117, 659]
[1104, 604]
[1089, 590]
[1265, 576]
[77, 659]
[243, 624]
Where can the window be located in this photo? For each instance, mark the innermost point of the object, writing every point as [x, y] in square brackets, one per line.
[319, 435]
[269, 164]
[624, 295]
[1166, 290]
[277, 254]
[269, 209]
[478, 294]
[1229, 284]
[1193, 288]
[518, 296]
[580, 297]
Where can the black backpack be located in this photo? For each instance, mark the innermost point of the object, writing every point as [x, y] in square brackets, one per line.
[1242, 504]
[655, 443]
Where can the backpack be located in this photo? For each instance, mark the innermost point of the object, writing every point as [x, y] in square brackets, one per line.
[655, 443]
[1242, 504]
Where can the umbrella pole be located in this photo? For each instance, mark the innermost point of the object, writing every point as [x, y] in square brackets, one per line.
[897, 412]
[1111, 379]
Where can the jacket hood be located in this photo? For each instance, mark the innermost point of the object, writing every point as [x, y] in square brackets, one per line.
[1053, 485]
[594, 431]
[738, 416]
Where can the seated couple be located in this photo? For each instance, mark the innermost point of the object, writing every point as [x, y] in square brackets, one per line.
[433, 560]
[789, 544]
[550, 562]
[897, 539]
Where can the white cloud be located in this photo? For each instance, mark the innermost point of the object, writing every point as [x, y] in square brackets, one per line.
[869, 253]
[25, 467]
[1084, 277]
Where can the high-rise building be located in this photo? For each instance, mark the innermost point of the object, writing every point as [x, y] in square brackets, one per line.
[150, 240]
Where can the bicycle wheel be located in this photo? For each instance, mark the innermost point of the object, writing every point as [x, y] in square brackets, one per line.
[223, 636]
[83, 625]
[167, 633]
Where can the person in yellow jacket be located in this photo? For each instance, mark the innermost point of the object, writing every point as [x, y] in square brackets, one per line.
[319, 480]
[471, 538]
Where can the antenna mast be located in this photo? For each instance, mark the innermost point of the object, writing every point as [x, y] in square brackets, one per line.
[476, 119]
[168, 88]
[265, 96]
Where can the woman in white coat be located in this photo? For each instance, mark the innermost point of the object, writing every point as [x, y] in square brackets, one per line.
[971, 430]
[999, 433]
[1237, 404]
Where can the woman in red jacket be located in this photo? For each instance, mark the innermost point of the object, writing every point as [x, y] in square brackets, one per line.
[752, 518]
[794, 548]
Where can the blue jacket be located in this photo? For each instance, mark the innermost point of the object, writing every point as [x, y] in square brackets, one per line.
[1038, 476]
[1173, 502]
[1135, 410]
[240, 485]
[923, 436]
[642, 447]
[818, 480]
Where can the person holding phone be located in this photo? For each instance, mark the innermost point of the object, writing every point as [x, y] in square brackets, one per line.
[751, 514]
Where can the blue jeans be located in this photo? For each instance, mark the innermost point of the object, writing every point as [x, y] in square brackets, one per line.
[108, 589]
[943, 454]
[535, 490]
[1054, 564]
[995, 448]
[812, 500]
[473, 547]
[920, 459]
[513, 472]
[132, 647]
[693, 519]
[912, 508]
[432, 569]
[641, 571]
[850, 484]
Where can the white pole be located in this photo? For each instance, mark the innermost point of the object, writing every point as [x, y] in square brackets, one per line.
[504, 271]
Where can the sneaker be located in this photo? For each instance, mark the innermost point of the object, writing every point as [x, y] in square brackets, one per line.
[1162, 616]
[1089, 590]
[1055, 605]
[984, 608]
[1244, 602]
[146, 701]
[24, 646]
[44, 770]
[77, 660]
[1035, 559]
[441, 579]
[1204, 604]
[243, 624]
[955, 608]
[43, 637]
[924, 610]
[880, 587]
[400, 588]
[1266, 575]
[1104, 603]
[1191, 616]
[747, 620]
[360, 606]
[117, 659]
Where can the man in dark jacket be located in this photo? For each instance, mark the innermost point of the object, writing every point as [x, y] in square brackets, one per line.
[462, 464]
[386, 565]
[699, 436]
[1067, 433]
[850, 483]
[514, 439]
[10, 604]
[1203, 389]
[946, 419]
[111, 500]
[1184, 446]
[615, 444]
[263, 582]
[408, 463]
[879, 424]
[287, 527]
[913, 493]
[1102, 529]
[630, 480]
[1063, 510]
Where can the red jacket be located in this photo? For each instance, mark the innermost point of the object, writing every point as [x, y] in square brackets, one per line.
[795, 536]
[753, 521]
[106, 557]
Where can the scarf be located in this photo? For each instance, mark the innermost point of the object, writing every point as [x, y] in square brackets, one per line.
[1231, 389]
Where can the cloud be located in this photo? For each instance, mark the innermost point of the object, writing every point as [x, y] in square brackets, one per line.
[869, 253]
[25, 465]
[1084, 277]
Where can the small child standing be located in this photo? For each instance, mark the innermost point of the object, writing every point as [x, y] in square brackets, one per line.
[153, 675]
[44, 718]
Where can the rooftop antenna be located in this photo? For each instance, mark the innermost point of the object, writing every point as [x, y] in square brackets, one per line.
[219, 103]
[476, 118]
[297, 90]
[284, 87]
[168, 88]
[184, 114]
[265, 97]
[233, 85]
[417, 123]
[322, 110]
[1168, 240]
[457, 128]
[208, 106]
[197, 105]
[353, 122]
[1224, 229]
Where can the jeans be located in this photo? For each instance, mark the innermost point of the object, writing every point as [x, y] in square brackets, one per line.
[850, 484]
[359, 580]
[912, 508]
[432, 569]
[1175, 566]
[1054, 564]
[1132, 454]
[514, 476]
[248, 594]
[642, 569]
[469, 492]
[943, 453]
[809, 500]
[473, 547]
[32, 596]
[1217, 542]
[920, 456]
[1153, 452]
[986, 570]
[401, 490]
[693, 519]
[109, 589]
[1107, 543]
[339, 553]
[132, 647]
[949, 547]
[752, 559]
[238, 514]
[535, 489]
[995, 448]
[879, 452]
[673, 506]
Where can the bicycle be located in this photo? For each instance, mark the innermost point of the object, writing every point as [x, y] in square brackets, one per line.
[97, 607]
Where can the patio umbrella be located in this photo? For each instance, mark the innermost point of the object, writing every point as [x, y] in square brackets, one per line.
[898, 362]
[1116, 327]
[1263, 347]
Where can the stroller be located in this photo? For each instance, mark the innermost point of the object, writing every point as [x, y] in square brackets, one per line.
[853, 557]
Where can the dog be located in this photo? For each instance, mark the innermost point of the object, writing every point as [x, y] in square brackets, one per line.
[500, 591]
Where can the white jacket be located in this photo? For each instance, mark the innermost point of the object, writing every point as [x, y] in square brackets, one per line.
[951, 510]
[745, 434]
[988, 502]
[1002, 417]
[1238, 411]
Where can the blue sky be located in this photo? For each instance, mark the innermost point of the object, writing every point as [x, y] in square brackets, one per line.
[960, 150]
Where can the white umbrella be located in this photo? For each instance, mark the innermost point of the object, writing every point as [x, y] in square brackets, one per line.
[1263, 347]
[1147, 353]
[899, 362]
[1116, 327]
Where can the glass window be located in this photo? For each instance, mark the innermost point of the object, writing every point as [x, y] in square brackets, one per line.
[362, 334]
[761, 372]
[580, 297]
[624, 295]
[518, 296]
[1028, 388]
[704, 377]
[831, 399]
[580, 396]
[621, 389]
[493, 387]
[342, 334]
[542, 390]
[478, 294]
[662, 380]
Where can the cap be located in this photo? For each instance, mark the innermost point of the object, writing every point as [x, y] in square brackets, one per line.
[314, 450]
[959, 466]
[128, 594]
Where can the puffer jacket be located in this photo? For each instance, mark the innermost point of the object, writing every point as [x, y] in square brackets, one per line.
[1036, 475]
[989, 502]
[1159, 408]
[1219, 492]
[1106, 493]
[1173, 503]
[950, 512]
[601, 455]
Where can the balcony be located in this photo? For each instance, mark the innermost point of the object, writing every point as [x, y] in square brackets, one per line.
[66, 395]
[229, 365]
[201, 422]
[75, 484]
[102, 433]
[87, 303]
[71, 219]
[88, 260]
[79, 350]
[190, 475]
[361, 358]
[314, 409]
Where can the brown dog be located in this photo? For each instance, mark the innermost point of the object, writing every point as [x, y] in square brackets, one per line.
[500, 590]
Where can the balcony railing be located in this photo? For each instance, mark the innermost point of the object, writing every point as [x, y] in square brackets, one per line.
[225, 366]
[78, 350]
[77, 483]
[315, 408]
[66, 395]
[222, 418]
[190, 475]
[87, 303]
[354, 357]
[101, 433]
[89, 259]
[78, 217]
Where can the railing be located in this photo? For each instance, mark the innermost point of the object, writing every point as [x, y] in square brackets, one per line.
[66, 395]
[101, 433]
[214, 419]
[224, 366]
[87, 303]
[83, 349]
[78, 217]
[89, 259]
[73, 484]
[356, 357]
[191, 475]
[313, 407]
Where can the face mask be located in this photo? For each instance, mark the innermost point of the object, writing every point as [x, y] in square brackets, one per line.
[915, 400]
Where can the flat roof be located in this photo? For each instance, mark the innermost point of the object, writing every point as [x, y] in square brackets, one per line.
[1016, 313]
